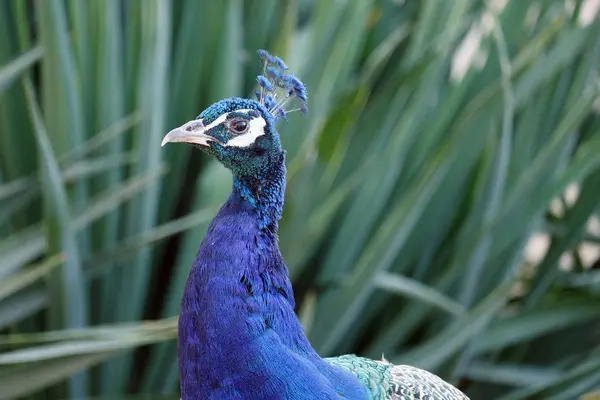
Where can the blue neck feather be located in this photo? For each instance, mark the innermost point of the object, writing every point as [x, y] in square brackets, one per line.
[238, 334]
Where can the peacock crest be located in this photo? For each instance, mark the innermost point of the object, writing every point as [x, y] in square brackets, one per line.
[279, 89]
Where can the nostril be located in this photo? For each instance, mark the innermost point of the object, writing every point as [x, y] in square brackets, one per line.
[193, 127]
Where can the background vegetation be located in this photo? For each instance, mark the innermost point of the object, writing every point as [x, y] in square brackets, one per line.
[414, 186]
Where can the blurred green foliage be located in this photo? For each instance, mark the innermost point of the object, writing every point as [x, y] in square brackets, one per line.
[412, 190]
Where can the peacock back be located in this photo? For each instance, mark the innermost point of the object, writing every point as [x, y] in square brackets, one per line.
[397, 382]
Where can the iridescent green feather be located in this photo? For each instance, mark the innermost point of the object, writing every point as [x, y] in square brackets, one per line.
[397, 382]
[376, 376]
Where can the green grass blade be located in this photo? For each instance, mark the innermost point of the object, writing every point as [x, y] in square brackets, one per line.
[74, 308]
[27, 303]
[99, 263]
[104, 332]
[513, 375]
[13, 70]
[21, 248]
[67, 284]
[28, 379]
[16, 282]
[79, 347]
[590, 368]
[401, 285]
[450, 340]
[527, 326]
[101, 138]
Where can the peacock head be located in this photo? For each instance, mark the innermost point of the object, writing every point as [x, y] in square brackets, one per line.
[240, 132]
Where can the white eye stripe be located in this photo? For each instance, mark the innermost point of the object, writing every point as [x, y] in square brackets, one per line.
[256, 128]
[222, 118]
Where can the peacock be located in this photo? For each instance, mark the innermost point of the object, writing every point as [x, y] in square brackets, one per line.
[238, 334]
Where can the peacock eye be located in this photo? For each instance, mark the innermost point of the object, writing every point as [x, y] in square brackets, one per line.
[239, 126]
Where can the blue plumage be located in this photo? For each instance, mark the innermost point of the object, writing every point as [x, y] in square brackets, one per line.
[238, 334]
[239, 337]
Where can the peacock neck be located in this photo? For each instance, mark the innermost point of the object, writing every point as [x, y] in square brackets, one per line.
[264, 191]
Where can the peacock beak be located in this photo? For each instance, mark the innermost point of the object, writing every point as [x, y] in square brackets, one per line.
[192, 132]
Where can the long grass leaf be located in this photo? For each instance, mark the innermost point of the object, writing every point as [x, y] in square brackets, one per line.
[395, 283]
[71, 275]
[68, 285]
[79, 347]
[25, 304]
[12, 71]
[25, 380]
[103, 332]
[18, 281]
[531, 325]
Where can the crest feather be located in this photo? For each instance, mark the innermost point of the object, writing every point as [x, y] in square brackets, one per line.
[278, 89]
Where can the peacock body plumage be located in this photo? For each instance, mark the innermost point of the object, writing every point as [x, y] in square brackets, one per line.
[239, 337]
